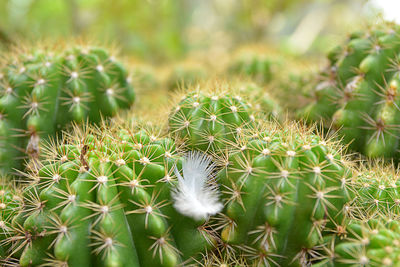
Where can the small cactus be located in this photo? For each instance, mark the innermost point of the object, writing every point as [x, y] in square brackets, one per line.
[43, 90]
[209, 120]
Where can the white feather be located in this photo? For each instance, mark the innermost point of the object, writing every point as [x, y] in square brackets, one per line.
[194, 195]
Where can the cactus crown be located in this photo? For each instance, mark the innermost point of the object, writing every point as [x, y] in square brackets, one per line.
[209, 120]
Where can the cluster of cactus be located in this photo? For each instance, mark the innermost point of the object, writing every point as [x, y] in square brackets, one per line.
[358, 91]
[43, 90]
[213, 184]
[108, 197]
[372, 242]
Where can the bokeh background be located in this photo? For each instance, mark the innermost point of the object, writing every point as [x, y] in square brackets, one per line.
[160, 31]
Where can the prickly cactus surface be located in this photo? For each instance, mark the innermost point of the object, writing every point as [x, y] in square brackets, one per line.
[358, 91]
[10, 204]
[43, 90]
[283, 187]
[264, 103]
[377, 192]
[373, 242]
[210, 121]
[111, 196]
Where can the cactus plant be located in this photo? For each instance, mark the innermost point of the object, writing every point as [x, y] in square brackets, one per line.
[209, 120]
[115, 196]
[377, 194]
[43, 90]
[264, 103]
[282, 186]
[10, 204]
[371, 242]
[358, 91]
[369, 234]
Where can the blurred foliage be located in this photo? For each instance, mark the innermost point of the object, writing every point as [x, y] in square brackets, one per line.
[159, 30]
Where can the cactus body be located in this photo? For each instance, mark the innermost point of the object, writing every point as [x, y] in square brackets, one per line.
[209, 122]
[44, 90]
[265, 104]
[282, 188]
[374, 242]
[105, 199]
[358, 92]
[10, 204]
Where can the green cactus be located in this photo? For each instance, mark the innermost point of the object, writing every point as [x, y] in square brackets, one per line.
[377, 194]
[209, 121]
[282, 187]
[374, 242]
[114, 196]
[264, 103]
[369, 234]
[43, 90]
[358, 92]
[10, 204]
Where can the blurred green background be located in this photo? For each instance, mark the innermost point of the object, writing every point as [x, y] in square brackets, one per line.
[165, 30]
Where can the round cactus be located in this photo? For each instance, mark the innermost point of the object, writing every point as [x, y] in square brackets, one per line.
[209, 121]
[114, 196]
[264, 103]
[282, 188]
[358, 91]
[43, 90]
